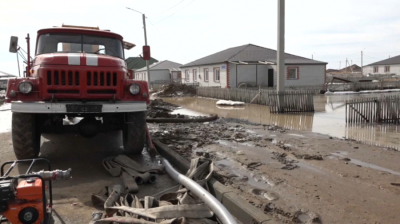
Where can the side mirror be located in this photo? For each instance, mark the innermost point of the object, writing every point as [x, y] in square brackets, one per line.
[14, 44]
[130, 74]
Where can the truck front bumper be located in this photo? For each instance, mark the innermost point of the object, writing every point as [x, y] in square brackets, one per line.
[61, 107]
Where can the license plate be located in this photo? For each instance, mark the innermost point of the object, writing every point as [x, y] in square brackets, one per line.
[79, 108]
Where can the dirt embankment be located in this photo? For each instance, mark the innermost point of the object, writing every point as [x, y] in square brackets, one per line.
[177, 90]
[295, 176]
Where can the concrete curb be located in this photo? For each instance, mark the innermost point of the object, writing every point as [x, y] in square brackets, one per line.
[240, 208]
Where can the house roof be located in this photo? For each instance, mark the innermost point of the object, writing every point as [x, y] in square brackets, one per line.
[5, 74]
[250, 53]
[389, 61]
[134, 63]
[162, 65]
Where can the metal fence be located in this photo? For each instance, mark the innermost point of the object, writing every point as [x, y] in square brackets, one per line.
[373, 110]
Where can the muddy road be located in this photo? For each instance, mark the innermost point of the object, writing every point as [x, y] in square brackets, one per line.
[294, 175]
[72, 198]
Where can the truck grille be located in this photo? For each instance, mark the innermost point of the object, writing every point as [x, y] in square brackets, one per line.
[63, 78]
[99, 83]
[101, 79]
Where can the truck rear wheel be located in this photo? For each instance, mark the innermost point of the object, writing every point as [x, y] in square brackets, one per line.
[134, 132]
[25, 136]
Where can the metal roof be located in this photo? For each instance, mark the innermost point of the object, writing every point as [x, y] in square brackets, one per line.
[250, 53]
[135, 63]
[162, 65]
[390, 61]
[77, 30]
[5, 74]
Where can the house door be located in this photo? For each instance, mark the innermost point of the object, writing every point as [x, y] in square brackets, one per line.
[270, 78]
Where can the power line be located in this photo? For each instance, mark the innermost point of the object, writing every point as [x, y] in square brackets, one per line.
[170, 8]
[177, 11]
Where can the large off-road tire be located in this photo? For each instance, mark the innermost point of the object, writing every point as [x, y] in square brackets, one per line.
[134, 132]
[25, 136]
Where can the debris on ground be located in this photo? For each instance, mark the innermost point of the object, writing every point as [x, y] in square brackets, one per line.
[183, 138]
[230, 103]
[281, 157]
[307, 156]
[177, 90]
[131, 172]
[161, 109]
[168, 207]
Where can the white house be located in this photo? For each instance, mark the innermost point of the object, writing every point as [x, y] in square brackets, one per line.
[388, 66]
[160, 72]
[254, 66]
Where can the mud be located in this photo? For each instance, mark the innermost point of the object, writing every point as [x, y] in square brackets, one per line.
[177, 90]
[295, 176]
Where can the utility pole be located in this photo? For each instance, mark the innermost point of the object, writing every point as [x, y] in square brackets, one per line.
[281, 54]
[340, 65]
[362, 69]
[145, 43]
[346, 65]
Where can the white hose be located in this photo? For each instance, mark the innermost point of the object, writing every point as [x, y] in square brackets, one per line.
[199, 191]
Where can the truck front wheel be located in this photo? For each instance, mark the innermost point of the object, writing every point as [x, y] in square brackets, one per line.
[25, 136]
[134, 132]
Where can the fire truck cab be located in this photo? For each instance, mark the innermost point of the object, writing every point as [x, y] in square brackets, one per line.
[78, 81]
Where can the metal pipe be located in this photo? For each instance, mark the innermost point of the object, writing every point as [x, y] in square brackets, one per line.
[215, 206]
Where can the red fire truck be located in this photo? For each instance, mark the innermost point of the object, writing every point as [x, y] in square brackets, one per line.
[77, 81]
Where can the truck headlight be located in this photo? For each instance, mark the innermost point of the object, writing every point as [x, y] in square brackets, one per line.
[134, 89]
[25, 87]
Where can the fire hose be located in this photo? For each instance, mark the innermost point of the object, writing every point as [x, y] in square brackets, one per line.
[215, 206]
[212, 117]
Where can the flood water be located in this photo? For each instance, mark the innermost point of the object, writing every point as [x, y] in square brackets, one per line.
[329, 118]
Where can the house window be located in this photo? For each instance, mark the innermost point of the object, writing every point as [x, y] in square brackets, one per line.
[292, 73]
[376, 68]
[206, 74]
[387, 68]
[187, 75]
[194, 75]
[216, 75]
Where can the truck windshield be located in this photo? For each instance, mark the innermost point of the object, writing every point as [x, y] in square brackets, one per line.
[78, 43]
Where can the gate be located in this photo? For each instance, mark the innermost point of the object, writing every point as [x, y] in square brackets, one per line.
[373, 110]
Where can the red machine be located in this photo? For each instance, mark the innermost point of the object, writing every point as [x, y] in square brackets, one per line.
[25, 202]
[78, 81]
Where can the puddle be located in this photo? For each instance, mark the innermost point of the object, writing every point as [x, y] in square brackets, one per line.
[265, 194]
[226, 143]
[5, 117]
[188, 112]
[369, 165]
[329, 118]
[301, 136]
[242, 174]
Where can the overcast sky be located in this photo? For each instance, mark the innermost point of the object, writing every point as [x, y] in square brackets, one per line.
[185, 30]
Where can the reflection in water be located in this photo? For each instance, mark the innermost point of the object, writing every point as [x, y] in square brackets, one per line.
[329, 118]
[255, 113]
[379, 135]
